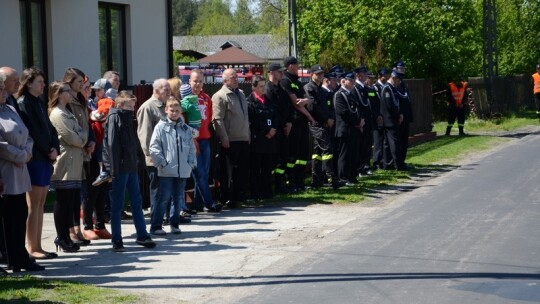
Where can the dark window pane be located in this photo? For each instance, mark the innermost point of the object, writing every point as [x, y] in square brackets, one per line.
[22, 9]
[37, 34]
[103, 39]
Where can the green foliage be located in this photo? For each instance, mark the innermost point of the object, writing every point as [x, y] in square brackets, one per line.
[183, 15]
[244, 18]
[179, 57]
[214, 18]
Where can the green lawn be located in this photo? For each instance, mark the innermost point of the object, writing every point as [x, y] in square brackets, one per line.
[512, 122]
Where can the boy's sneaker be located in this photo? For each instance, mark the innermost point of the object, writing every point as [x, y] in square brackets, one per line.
[118, 246]
[103, 177]
[175, 230]
[158, 232]
[146, 242]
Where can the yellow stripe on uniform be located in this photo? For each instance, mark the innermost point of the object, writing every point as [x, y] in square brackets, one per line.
[316, 156]
[327, 156]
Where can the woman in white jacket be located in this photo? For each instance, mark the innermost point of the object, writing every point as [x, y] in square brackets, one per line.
[173, 152]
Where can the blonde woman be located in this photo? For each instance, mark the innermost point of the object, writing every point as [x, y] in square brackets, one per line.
[175, 84]
[68, 169]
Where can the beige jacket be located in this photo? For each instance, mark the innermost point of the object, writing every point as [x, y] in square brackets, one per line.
[72, 137]
[81, 113]
[148, 116]
[230, 115]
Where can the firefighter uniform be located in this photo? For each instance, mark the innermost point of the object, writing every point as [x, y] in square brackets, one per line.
[279, 98]
[365, 138]
[378, 132]
[347, 129]
[322, 170]
[405, 106]
[391, 113]
[299, 136]
[536, 89]
[456, 98]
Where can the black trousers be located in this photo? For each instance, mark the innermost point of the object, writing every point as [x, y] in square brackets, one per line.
[537, 100]
[378, 142]
[456, 112]
[283, 168]
[95, 200]
[403, 143]
[365, 149]
[234, 171]
[13, 214]
[63, 211]
[322, 159]
[299, 150]
[260, 173]
[347, 154]
[390, 155]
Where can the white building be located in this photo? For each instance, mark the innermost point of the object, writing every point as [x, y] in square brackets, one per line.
[128, 36]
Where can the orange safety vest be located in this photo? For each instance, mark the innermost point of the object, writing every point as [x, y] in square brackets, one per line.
[458, 93]
[536, 79]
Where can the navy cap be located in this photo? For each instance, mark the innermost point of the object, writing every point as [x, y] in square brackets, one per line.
[370, 74]
[290, 60]
[399, 64]
[330, 76]
[383, 71]
[316, 69]
[397, 74]
[337, 69]
[275, 67]
[347, 75]
[361, 69]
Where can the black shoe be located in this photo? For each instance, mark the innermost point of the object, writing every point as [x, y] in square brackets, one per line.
[338, 184]
[3, 272]
[231, 204]
[191, 211]
[29, 267]
[146, 242]
[126, 216]
[215, 208]
[184, 220]
[118, 246]
[66, 245]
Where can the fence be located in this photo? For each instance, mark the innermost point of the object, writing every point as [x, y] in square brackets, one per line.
[510, 93]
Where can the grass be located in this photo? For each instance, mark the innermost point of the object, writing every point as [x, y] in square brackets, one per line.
[505, 123]
[27, 289]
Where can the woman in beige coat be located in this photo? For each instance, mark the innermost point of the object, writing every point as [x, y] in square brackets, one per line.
[68, 169]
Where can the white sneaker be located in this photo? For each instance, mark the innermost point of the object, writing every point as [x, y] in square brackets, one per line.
[159, 232]
[175, 230]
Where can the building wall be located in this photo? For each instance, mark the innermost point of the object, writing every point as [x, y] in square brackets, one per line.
[73, 38]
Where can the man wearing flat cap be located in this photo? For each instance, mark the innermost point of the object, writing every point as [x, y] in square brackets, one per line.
[280, 99]
[299, 136]
[392, 118]
[322, 158]
[348, 126]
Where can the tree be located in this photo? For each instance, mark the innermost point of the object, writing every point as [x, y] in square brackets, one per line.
[183, 15]
[244, 18]
[214, 18]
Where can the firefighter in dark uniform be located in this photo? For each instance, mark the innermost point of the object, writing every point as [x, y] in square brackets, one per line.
[299, 136]
[279, 98]
[391, 119]
[379, 144]
[456, 94]
[365, 139]
[405, 106]
[322, 157]
[536, 89]
[376, 118]
[348, 126]
[262, 125]
[330, 87]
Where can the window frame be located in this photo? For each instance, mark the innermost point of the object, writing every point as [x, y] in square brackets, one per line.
[27, 35]
[108, 39]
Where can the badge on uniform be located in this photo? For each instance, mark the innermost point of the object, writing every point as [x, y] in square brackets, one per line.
[387, 94]
[269, 122]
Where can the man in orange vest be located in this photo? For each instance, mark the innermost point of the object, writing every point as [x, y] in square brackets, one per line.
[536, 89]
[456, 95]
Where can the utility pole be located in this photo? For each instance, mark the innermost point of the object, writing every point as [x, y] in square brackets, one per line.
[293, 38]
[489, 47]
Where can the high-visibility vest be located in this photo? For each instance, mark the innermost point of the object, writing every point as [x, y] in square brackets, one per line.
[536, 79]
[458, 93]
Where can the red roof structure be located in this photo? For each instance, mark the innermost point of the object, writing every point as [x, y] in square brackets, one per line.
[232, 55]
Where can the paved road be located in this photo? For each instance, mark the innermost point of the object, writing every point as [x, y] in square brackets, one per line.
[470, 236]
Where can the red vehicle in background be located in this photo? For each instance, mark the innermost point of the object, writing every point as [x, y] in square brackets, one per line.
[212, 74]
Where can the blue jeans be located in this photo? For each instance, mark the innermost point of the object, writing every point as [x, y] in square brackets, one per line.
[120, 183]
[169, 187]
[203, 195]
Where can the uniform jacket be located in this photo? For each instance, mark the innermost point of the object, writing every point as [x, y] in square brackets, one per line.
[148, 116]
[122, 151]
[230, 115]
[292, 85]
[318, 108]
[15, 147]
[364, 105]
[172, 149]
[390, 109]
[347, 116]
[375, 103]
[261, 120]
[279, 98]
[34, 115]
[405, 103]
[72, 137]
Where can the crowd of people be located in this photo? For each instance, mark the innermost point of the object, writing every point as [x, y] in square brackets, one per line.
[89, 144]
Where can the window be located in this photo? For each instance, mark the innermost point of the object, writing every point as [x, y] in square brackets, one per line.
[112, 38]
[33, 35]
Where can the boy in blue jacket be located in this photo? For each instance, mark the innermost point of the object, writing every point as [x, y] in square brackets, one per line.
[173, 152]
